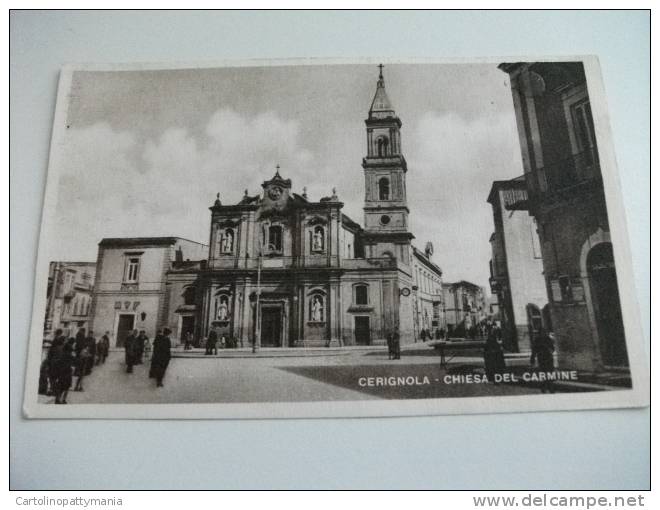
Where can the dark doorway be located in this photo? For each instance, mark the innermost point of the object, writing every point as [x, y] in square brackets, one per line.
[271, 326]
[124, 327]
[362, 331]
[187, 324]
[607, 308]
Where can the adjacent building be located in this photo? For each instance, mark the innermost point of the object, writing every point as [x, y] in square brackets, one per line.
[140, 285]
[428, 299]
[516, 266]
[565, 196]
[464, 307]
[69, 297]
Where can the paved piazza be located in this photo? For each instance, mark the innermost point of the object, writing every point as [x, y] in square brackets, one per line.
[345, 375]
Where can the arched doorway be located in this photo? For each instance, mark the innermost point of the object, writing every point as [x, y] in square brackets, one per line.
[606, 304]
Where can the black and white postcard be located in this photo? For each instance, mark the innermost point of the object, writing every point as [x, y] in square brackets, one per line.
[322, 238]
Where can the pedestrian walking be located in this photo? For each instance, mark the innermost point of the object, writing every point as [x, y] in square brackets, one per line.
[54, 352]
[161, 356]
[493, 355]
[139, 347]
[103, 348]
[188, 341]
[396, 344]
[212, 343]
[90, 343]
[81, 361]
[390, 350]
[129, 350]
[543, 349]
[62, 371]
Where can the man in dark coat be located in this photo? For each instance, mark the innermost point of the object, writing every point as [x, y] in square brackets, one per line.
[130, 350]
[139, 347]
[62, 371]
[543, 349]
[493, 354]
[160, 358]
[54, 352]
[102, 348]
[91, 347]
[396, 344]
[212, 342]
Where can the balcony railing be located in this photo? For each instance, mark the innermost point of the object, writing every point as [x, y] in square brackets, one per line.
[516, 197]
[568, 172]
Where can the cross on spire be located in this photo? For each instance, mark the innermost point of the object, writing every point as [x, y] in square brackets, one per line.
[380, 73]
[277, 169]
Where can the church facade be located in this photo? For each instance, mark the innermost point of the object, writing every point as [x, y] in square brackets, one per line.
[286, 271]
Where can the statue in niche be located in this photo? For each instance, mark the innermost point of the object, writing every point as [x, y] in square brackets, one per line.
[317, 309]
[228, 241]
[223, 309]
[317, 239]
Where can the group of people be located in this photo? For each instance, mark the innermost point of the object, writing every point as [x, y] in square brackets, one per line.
[214, 340]
[69, 358]
[426, 334]
[542, 354]
[137, 347]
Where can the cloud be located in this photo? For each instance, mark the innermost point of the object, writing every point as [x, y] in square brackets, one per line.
[452, 163]
[112, 185]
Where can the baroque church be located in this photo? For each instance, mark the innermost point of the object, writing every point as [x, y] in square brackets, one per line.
[285, 271]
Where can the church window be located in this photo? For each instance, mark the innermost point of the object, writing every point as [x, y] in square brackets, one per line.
[75, 307]
[361, 294]
[318, 239]
[317, 308]
[275, 238]
[227, 241]
[385, 219]
[189, 295]
[384, 188]
[381, 145]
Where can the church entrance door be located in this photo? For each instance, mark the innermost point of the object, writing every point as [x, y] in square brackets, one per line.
[362, 331]
[271, 326]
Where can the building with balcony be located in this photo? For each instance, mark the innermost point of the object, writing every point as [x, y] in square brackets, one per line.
[516, 266]
[567, 201]
[68, 297]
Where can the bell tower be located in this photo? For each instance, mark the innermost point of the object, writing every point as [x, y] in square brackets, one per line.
[385, 207]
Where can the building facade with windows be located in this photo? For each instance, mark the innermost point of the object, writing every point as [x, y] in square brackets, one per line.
[516, 266]
[428, 304]
[142, 283]
[464, 307]
[281, 269]
[68, 297]
[565, 196]
[284, 270]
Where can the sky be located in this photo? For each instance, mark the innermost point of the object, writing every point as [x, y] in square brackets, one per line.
[144, 153]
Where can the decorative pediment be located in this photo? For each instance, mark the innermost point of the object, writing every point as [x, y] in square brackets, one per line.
[317, 220]
[227, 223]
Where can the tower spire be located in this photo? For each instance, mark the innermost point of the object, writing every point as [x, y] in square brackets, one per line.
[381, 106]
